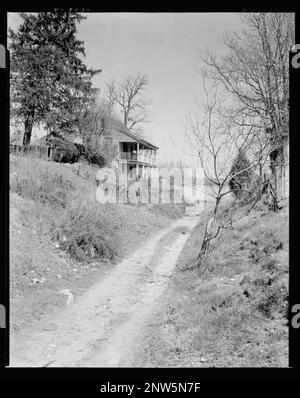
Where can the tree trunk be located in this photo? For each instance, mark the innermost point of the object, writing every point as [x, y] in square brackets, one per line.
[28, 130]
[208, 233]
[277, 159]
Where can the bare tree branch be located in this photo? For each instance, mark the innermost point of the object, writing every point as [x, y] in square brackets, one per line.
[128, 97]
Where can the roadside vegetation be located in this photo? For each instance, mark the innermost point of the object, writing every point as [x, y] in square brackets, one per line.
[232, 310]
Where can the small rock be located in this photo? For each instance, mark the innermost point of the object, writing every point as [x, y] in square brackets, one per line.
[56, 245]
[203, 359]
[47, 269]
[75, 269]
[43, 280]
[34, 281]
[67, 293]
[58, 276]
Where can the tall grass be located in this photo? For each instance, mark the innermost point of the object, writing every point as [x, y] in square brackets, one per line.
[79, 226]
[42, 185]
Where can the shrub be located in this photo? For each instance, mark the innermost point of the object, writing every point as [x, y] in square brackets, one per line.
[100, 153]
[240, 184]
[85, 233]
[93, 156]
[272, 300]
[66, 152]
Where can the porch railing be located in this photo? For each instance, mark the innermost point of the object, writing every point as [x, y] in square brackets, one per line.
[133, 156]
[128, 155]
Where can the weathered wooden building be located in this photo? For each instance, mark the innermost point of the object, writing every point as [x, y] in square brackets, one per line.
[135, 155]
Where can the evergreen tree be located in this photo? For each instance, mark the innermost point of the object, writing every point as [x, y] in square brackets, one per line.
[49, 81]
[241, 175]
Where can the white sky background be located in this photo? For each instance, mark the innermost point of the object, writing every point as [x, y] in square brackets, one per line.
[163, 47]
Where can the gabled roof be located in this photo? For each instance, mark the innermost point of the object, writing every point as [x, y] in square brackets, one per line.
[115, 125]
[119, 126]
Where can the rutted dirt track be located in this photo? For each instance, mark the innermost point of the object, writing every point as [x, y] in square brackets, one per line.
[102, 328]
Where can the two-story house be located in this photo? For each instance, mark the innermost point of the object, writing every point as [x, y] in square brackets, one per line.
[136, 156]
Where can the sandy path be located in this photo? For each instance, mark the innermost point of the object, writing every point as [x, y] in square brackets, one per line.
[102, 327]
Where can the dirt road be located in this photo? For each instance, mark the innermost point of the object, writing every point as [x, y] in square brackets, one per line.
[102, 327]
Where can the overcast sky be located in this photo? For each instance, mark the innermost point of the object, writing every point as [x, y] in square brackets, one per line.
[163, 47]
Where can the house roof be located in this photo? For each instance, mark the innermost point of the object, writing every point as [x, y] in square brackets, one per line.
[115, 125]
[119, 126]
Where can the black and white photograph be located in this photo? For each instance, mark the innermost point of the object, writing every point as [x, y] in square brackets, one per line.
[149, 189]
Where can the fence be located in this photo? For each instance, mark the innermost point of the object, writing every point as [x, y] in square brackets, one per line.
[33, 150]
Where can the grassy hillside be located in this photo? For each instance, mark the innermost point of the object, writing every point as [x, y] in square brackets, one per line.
[232, 311]
[62, 239]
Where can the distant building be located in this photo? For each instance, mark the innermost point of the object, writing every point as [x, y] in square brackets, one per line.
[136, 156]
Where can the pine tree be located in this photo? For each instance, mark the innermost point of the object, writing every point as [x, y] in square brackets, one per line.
[49, 81]
[241, 175]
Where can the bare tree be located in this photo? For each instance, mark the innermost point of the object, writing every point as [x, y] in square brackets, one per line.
[128, 97]
[254, 72]
[95, 122]
[216, 139]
